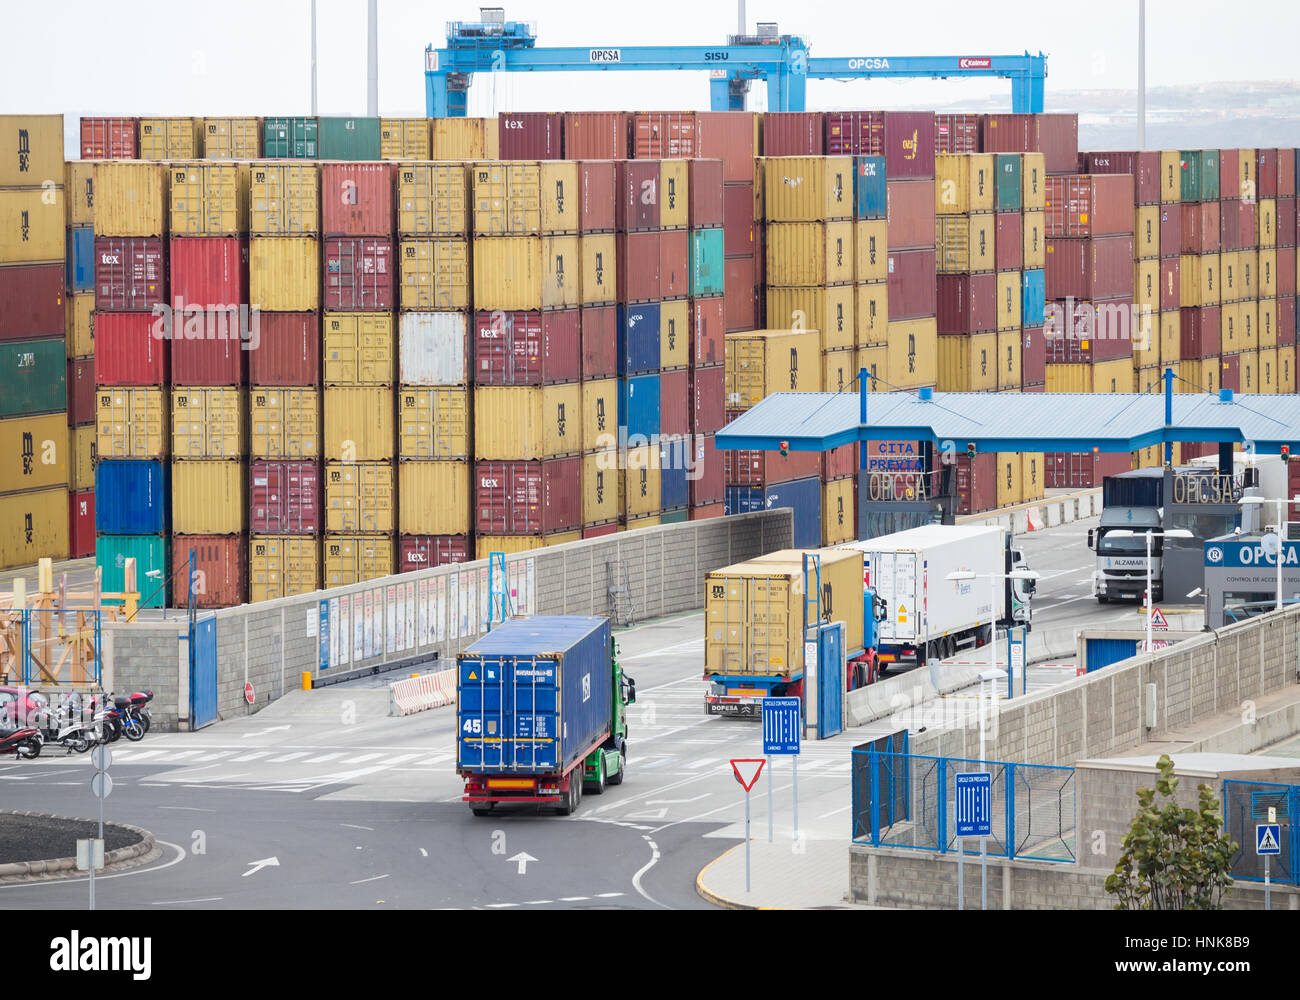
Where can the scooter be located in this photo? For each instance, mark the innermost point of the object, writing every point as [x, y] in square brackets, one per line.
[23, 743]
[72, 732]
[138, 708]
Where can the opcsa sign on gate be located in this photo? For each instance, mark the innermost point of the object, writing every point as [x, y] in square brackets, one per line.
[1245, 554]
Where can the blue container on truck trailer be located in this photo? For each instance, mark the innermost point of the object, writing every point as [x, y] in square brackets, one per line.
[638, 408]
[638, 338]
[804, 497]
[707, 263]
[131, 496]
[869, 194]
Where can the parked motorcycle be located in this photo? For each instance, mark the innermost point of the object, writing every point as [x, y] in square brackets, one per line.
[70, 730]
[138, 708]
[24, 743]
[106, 719]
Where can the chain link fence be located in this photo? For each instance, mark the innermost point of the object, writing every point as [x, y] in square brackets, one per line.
[1246, 804]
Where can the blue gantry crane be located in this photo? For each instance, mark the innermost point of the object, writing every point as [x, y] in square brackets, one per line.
[783, 62]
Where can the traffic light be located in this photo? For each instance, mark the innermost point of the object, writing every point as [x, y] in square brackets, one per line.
[970, 449]
[785, 448]
[1285, 451]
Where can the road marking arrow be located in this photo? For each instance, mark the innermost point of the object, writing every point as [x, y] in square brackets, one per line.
[259, 865]
[523, 860]
[273, 729]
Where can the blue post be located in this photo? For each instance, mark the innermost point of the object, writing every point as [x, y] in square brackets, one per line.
[874, 759]
[1169, 415]
[862, 414]
[942, 805]
[1011, 811]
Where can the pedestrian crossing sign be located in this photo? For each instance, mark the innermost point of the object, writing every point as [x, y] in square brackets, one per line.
[1158, 619]
[1268, 838]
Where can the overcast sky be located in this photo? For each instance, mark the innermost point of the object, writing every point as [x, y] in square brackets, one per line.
[244, 57]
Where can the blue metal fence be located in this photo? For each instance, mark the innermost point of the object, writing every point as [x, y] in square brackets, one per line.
[1246, 803]
[63, 645]
[907, 800]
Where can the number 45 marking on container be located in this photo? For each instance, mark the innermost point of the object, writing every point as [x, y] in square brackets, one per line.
[473, 726]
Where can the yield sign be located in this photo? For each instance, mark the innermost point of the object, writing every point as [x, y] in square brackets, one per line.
[1158, 619]
[747, 771]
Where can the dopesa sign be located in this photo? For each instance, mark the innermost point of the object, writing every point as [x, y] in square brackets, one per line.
[1232, 555]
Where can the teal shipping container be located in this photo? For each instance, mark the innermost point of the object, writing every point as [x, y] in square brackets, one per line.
[707, 265]
[1006, 190]
[349, 139]
[1199, 174]
[870, 196]
[291, 138]
[149, 552]
[33, 377]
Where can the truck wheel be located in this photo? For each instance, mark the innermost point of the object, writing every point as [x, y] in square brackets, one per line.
[598, 786]
[617, 777]
[570, 804]
[1103, 599]
[482, 810]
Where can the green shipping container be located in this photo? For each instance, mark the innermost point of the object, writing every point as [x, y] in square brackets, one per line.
[349, 139]
[1006, 193]
[290, 138]
[707, 264]
[33, 377]
[148, 551]
[674, 516]
[1199, 174]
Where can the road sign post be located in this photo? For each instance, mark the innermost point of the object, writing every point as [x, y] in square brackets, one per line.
[974, 793]
[747, 771]
[782, 737]
[1268, 841]
[102, 787]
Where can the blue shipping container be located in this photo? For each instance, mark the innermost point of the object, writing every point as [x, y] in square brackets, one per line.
[80, 265]
[804, 497]
[131, 496]
[638, 408]
[869, 198]
[638, 338]
[742, 500]
[536, 695]
[150, 552]
[1033, 303]
[707, 264]
[674, 487]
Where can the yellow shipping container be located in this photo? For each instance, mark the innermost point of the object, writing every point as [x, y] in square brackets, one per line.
[839, 511]
[359, 349]
[1010, 349]
[171, 139]
[1146, 232]
[435, 274]
[284, 422]
[1148, 378]
[81, 464]
[80, 308]
[1266, 223]
[282, 566]
[1032, 478]
[1010, 482]
[1245, 182]
[600, 415]
[674, 195]
[1286, 370]
[434, 498]
[1171, 338]
[964, 243]
[507, 198]
[1248, 318]
[636, 523]
[1229, 285]
[641, 482]
[1231, 339]
[1171, 177]
[433, 423]
[838, 369]
[559, 197]
[32, 227]
[599, 273]
[1270, 378]
[1198, 376]
[209, 497]
[810, 253]
[601, 482]
[283, 199]
[1033, 182]
[1198, 278]
[526, 272]
[232, 138]
[357, 558]
[1154, 456]
[870, 257]
[1146, 284]
[404, 138]
[1249, 263]
[1009, 299]
[1146, 338]
[33, 526]
[359, 497]
[874, 360]
[34, 452]
[674, 334]
[432, 199]
[484, 545]
[359, 424]
[284, 273]
[1102, 376]
[761, 362]
[963, 183]
[968, 364]
[79, 189]
[1034, 240]
[132, 423]
[33, 149]
[208, 422]
[808, 188]
[913, 358]
[871, 312]
[1267, 327]
[828, 310]
[463, 138]
[1249, 373]
[520, 423]
[1266, 274]
[209, 199]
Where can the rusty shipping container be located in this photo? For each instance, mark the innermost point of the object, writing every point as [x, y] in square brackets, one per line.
[599, 338]
[1200, 227]
[210, 347]
[957, 133]
[130, 273]
[636, 205]
[911, 284]
[1098, 268]
[428, 551]
[794, 133]
[1089, 205]
[1093, 331]
[663, 135]
[597, 182]
[356, 199]
[525, 498]
[708, 322]
[221, 562]
[708, 395]
[966, 303]
[909, 214]
[729, 136]
[288, 350]
[596, 135]
[109, 138]
[705, 192]
[1144, 167]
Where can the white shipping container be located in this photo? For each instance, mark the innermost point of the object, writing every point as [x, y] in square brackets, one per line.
[433, 348]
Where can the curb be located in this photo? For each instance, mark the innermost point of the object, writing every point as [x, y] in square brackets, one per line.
[714, 898]
[35, 871]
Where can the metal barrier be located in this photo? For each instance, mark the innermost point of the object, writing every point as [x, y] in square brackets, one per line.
[1246, 803]
[59, 647]
[907, 800]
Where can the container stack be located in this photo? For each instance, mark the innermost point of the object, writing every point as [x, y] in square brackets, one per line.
[132, 366]
[79, 298]
[291, 138]
[1286, 270]
[434, 349]
[33, 375]
[350, 139]
[464, 139]
[706, 484]
[171, 138]
[972, 301]
[404, 138]
[232, 138]
[286, 481]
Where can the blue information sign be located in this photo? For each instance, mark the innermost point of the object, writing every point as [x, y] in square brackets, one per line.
[323, 634]
[782, 726]
[974, 812]
[1268, 838]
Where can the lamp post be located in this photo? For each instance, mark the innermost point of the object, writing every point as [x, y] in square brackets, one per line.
[995, 580]
[1150, 536]
[1281, 504]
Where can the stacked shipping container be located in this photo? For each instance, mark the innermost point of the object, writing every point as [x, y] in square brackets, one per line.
[79, 297]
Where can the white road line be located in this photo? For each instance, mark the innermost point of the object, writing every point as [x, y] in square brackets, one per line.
[402, 759]
[538, 902]
[16, 777]
[500, 906]
[322, 758]
[135, 756]
[575, 899]
[697, 765]
[835, 811]
[251, 756]
[362, 881]
[180, 856]
[288, 757]
[655, 763]
[196, 809]
[180, 756]
[675, 802]
[177, 902]
[355, 826]
[609, 895]
[363, 758]
[654, 859]
[212, 756]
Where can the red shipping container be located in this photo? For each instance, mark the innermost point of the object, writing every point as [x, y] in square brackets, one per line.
[527, 348]
[1230, 372]
[967, 303]
[1144, 168]
[638, 267]
[597, 180]
[909, 144]
[711, 486]
[794, 133]
[531, 135]
[1057, 138]
[976, 483]
[1286, 320]
[1093, 331]
[81, 524]
[1200, 227]
[663, 135]
[127, 352]
[703, 512]
[1286, 173]
[1171, 230]
[708, 319]
[284, 498]
[220, 566]
[706, 193]
[1229, 174]
[1008, 245]
[1170, 282]
[600, 530]
[1198, 332]
[215, 358]
[130, 273]
[909, 214]
[765, 468]
[599, 341]
[109, 138]
[636, 206]
[1286, 222]
[675, 402]
[957, 133]
[1266, 173]
[1007, 134]
[839, 463]
[1099, 268]
[356, 198]
[674, 264]
[81, 392]
[1033, 356]
[358, 275]
[855, 133]
[427, 551]
[738, 226]
[728, 136]
[1089, 205]
[596, 135]
[911, 286]
[708, 399]
[527, 498]
[1083, 470]
[287, 351]
[31, 301]
[740, 295]
[1247, 222]
[210, 272]
[1231, 229]
[1286, 270]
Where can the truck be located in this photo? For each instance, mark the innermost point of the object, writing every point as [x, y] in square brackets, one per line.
[541, 713]
[916, 613]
